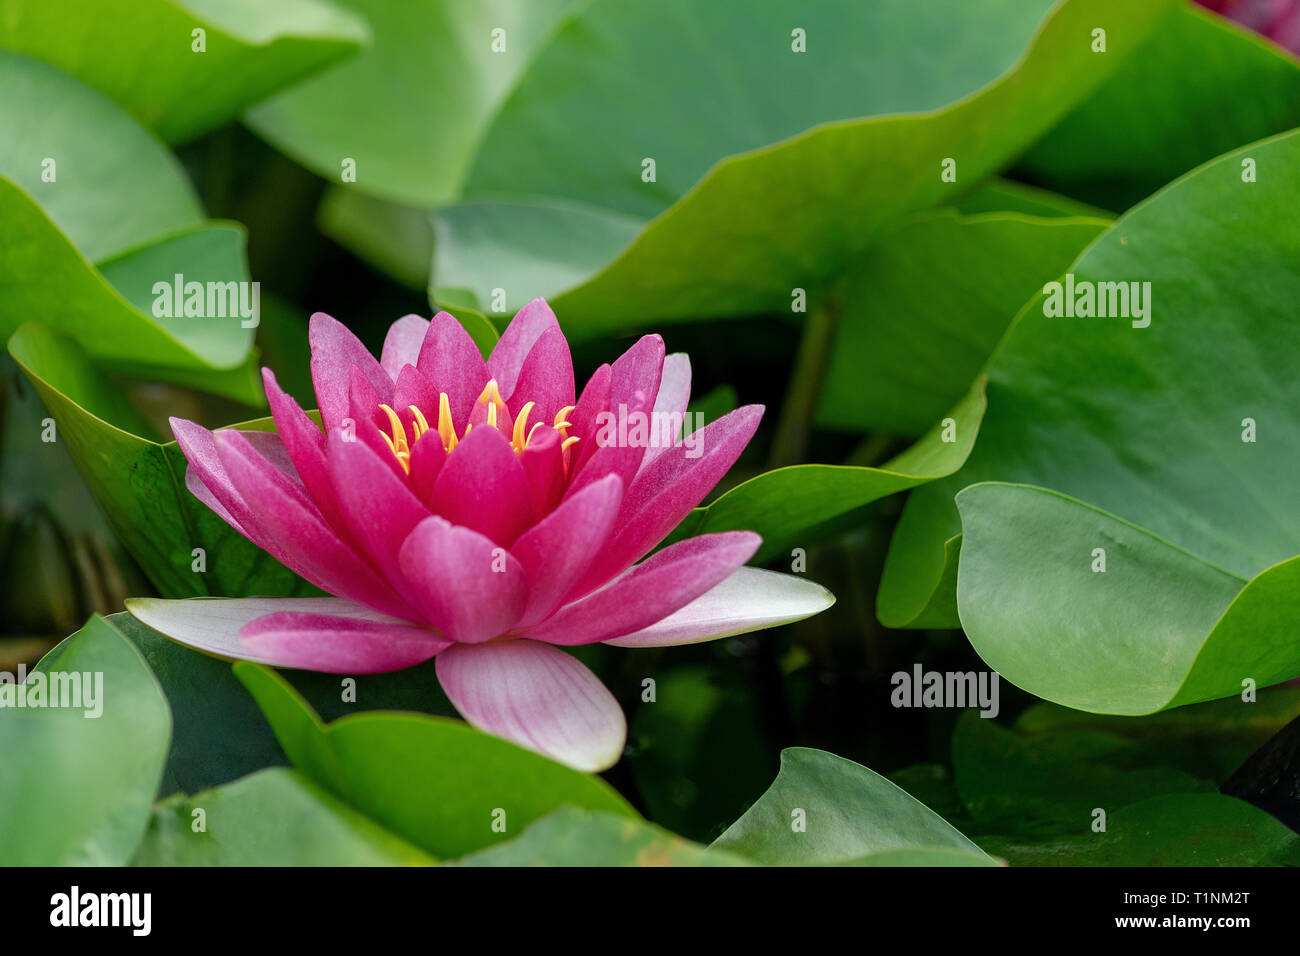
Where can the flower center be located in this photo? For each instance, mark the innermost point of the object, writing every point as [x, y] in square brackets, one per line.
[490, 409]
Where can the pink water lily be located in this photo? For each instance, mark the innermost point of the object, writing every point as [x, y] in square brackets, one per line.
[481, 513]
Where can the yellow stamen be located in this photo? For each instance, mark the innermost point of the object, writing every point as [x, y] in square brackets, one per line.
[446, 428]
[492, 393]
[397, 442]
[522, 433]
[520, 440]
[420, 425]
[399, 432]
[388, 438]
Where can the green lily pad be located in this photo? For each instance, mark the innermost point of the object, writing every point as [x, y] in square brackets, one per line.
[1013, 782]
[923, 856]
[81, 183]
[1157, 628]
[101, 178]
[1202, 85]
[1122, 418]
[410, 109]
[109, 310]
[573, 837]
[1209, 740]
[276, 817]
[441, 784]
[825, 809]
[924, 311]
[77, 789]
[250, 49]
[710, 249]
[1187, 829]
[140, 483]
[788, 506]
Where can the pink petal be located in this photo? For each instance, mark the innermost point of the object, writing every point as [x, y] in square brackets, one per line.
[206, 477]
[213, 626]
[283, 518]
[306, 447]
[415, 388]
[451, 361]
[636, 375]
[201, 491]
[543, 464]
[471, 589]
[546, 378]
[633, 385]
[593, 400]
[366, 423]
[670, 405]
[271, 447]
[380, 508]
[557, 550]
[427, 458]
[483, 486]
[402, 344]
[538, 697]
[651, 591]
[673, 484]
[339, 645]
[335, 353]
[748, 600]
[517, 341]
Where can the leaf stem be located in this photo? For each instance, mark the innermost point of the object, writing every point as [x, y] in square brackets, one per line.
[794, 425]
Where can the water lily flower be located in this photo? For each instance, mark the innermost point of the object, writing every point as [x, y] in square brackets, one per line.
[480, 513]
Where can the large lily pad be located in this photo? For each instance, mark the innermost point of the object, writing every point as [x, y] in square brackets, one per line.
[1016, 782]
[409, 110]
[1188, 829]
[1157, 628]
[114, 186]
[1148, 423]
[250, 49]
[573, 837]
[77, 789]
[923, 312]
[1209, 740]
[710, 251]
[109, 310]
[439, 783]
[1201, 86]
[276, 817]
[825, 809]
[93, 212]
